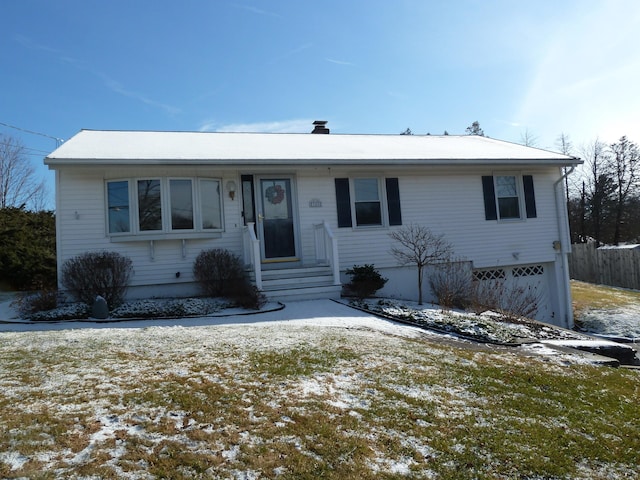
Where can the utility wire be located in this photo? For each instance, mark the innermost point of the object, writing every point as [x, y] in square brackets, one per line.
[8, 144]
[59, 141]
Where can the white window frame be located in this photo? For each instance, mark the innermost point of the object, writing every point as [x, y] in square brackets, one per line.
[167, 231]
[136, 215]
[130, 206]
[194, 206]
[382, 199]
[519, 192]
[198, 201]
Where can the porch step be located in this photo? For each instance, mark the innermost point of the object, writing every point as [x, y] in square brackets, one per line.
[304, 283]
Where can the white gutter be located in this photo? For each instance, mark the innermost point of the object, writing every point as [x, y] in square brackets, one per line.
[565, 247]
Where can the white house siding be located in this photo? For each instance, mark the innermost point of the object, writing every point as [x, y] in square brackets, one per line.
[320, 191]
[449, 201]
[453, 204]
[81, 215]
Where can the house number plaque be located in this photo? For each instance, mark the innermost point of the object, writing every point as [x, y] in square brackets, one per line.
[315, 203]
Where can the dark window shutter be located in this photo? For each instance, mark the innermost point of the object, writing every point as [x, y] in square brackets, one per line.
[529, 196]
[343, 202]
[489, 192]
[393, 201]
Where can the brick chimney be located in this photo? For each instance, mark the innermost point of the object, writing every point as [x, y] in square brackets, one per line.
[320, 126]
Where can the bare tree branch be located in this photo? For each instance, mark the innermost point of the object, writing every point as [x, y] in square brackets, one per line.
[19, 186]
[528, 139]
[420, 247]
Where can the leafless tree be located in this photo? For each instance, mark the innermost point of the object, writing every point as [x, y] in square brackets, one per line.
[19, 185]
[599, 180]
[564, 144]
[421, 247]
[625, 158]
[528, 139]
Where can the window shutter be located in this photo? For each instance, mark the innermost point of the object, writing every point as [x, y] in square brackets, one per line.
[529, 196]
[393, 201]
[490, 212]
[343, 202]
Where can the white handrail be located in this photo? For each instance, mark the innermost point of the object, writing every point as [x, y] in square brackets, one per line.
[252, 252]
[327, 249]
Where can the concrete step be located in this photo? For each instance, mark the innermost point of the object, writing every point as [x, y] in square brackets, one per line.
[300, 283]
[304, 293]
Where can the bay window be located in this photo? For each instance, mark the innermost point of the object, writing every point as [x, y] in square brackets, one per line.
[158, 206]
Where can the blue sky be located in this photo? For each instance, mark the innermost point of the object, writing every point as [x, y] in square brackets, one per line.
[374, 66]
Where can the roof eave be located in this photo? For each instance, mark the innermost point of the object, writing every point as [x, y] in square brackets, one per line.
[52, 162]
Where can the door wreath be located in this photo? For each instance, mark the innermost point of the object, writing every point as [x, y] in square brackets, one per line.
[275, 194]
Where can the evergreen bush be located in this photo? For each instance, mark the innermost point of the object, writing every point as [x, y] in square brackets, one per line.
[365, 280]
[28, 251]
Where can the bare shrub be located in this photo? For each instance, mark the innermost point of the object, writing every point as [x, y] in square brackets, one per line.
[452, 284]
[247, 295]
[218, 271]
[512, 301]
[220, 274]
[421, 247]
[40, 301]
[97, 273]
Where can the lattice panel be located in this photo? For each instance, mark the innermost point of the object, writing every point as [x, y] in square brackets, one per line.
[528, 271]
[481, 275]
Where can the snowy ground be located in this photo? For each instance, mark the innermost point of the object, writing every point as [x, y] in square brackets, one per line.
[617, 322]
[248, 396]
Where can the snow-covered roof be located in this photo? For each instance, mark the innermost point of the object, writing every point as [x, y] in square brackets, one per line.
[93, 147]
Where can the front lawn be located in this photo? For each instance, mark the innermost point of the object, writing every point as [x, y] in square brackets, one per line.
[287, 400]
[604, 310]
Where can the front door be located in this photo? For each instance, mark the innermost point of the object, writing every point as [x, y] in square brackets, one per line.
[276, 219]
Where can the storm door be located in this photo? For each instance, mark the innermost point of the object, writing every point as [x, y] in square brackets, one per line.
[276, 219]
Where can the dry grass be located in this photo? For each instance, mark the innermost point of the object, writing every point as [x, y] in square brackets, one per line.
[590, 296]
[303, 402]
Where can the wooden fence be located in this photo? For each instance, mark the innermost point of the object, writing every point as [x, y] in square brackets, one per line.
[618, 267]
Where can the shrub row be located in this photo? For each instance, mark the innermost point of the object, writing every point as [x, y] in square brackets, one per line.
[106, 274]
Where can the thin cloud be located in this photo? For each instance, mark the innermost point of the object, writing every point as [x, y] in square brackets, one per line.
[30, 44]
[285, 126]
[339, 62]
[587, 81]
[111, 84]
[118, 88]
[258, 11]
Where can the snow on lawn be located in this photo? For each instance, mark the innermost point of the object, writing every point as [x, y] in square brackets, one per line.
[316, 389]
[623, 321]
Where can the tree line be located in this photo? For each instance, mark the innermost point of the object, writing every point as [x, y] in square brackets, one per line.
[27, 231]
[604, 196]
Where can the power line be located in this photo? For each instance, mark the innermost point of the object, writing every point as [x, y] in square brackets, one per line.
[58, 140]
[8, 144]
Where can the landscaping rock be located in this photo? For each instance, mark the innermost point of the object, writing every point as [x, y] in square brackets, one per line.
[100, 309]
